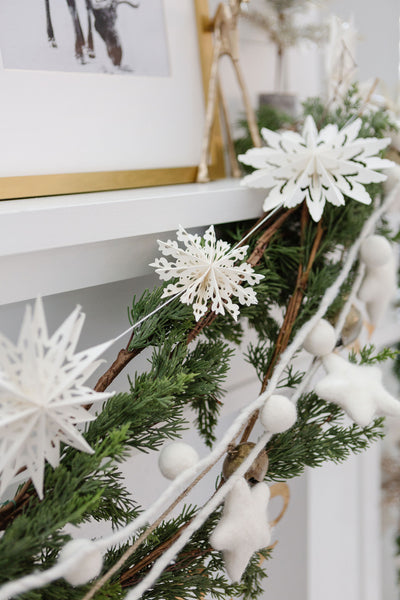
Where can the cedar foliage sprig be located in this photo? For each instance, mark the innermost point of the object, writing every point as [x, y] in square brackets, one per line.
[369, 356]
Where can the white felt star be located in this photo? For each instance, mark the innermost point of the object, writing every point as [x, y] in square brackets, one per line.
[243, 528]
[41, 394]
[316, 166]
[206, 270]
[358, 389]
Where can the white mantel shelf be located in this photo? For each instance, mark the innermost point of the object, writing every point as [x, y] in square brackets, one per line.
[57, 244]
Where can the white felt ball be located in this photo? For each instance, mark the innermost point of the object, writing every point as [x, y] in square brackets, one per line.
[175, 458]
[375, 251]
[321, 340]
[278, 414]
[88, 567]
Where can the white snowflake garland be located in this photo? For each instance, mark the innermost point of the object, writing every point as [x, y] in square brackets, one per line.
[42, 393]
[206, 270]
[316, 166]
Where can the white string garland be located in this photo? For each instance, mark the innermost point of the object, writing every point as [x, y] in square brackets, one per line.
[41, 578]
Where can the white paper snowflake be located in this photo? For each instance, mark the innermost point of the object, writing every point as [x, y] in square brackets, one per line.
[42, 393]
[316, 166]
[206, 270]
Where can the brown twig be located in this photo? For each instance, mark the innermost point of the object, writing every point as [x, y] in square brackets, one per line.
[292, 312]
[266, 237]
[132, 576]
[124, 357]
[13, 509]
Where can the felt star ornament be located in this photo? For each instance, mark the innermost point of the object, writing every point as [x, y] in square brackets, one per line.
[243, 528]
[42, 393]
[206, 270]
[358, 389]
[317, 167]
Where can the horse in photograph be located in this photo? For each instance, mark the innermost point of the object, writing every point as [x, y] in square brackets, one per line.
[104, 13]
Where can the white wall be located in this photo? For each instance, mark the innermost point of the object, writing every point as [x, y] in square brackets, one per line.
[377, 52]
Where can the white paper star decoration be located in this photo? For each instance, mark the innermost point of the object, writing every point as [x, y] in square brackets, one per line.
[316, 166]
[358, 389]
[42, 393]
[206, 270]
[243, 528]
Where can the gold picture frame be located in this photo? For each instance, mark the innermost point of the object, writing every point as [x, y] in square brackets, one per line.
[28, 186]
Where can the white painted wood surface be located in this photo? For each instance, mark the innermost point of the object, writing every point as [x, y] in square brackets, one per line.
[53, 245]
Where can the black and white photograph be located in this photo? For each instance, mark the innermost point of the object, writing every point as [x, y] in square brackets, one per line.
[88, 36]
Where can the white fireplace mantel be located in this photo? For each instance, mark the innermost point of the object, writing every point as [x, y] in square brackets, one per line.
[57, 244]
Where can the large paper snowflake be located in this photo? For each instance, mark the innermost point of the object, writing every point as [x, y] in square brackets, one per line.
[42, 393]
[206, 270]
[316, 166]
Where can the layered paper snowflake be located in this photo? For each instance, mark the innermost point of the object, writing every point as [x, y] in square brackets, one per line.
[42, 393]
[316, 166]
[206, 270]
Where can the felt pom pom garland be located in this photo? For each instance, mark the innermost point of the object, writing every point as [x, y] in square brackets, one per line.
[175, 458]
[321, 340]
[278, 414]
[88, 568]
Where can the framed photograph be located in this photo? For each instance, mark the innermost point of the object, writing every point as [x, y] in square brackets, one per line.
[102, 95]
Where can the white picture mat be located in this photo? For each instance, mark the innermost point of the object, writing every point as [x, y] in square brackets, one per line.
[54, 122]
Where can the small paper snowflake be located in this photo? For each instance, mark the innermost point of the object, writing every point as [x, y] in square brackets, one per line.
[41, 395]
[206, 270]
[316, 166]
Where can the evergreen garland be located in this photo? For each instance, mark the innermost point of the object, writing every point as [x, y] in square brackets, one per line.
[189, 369]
